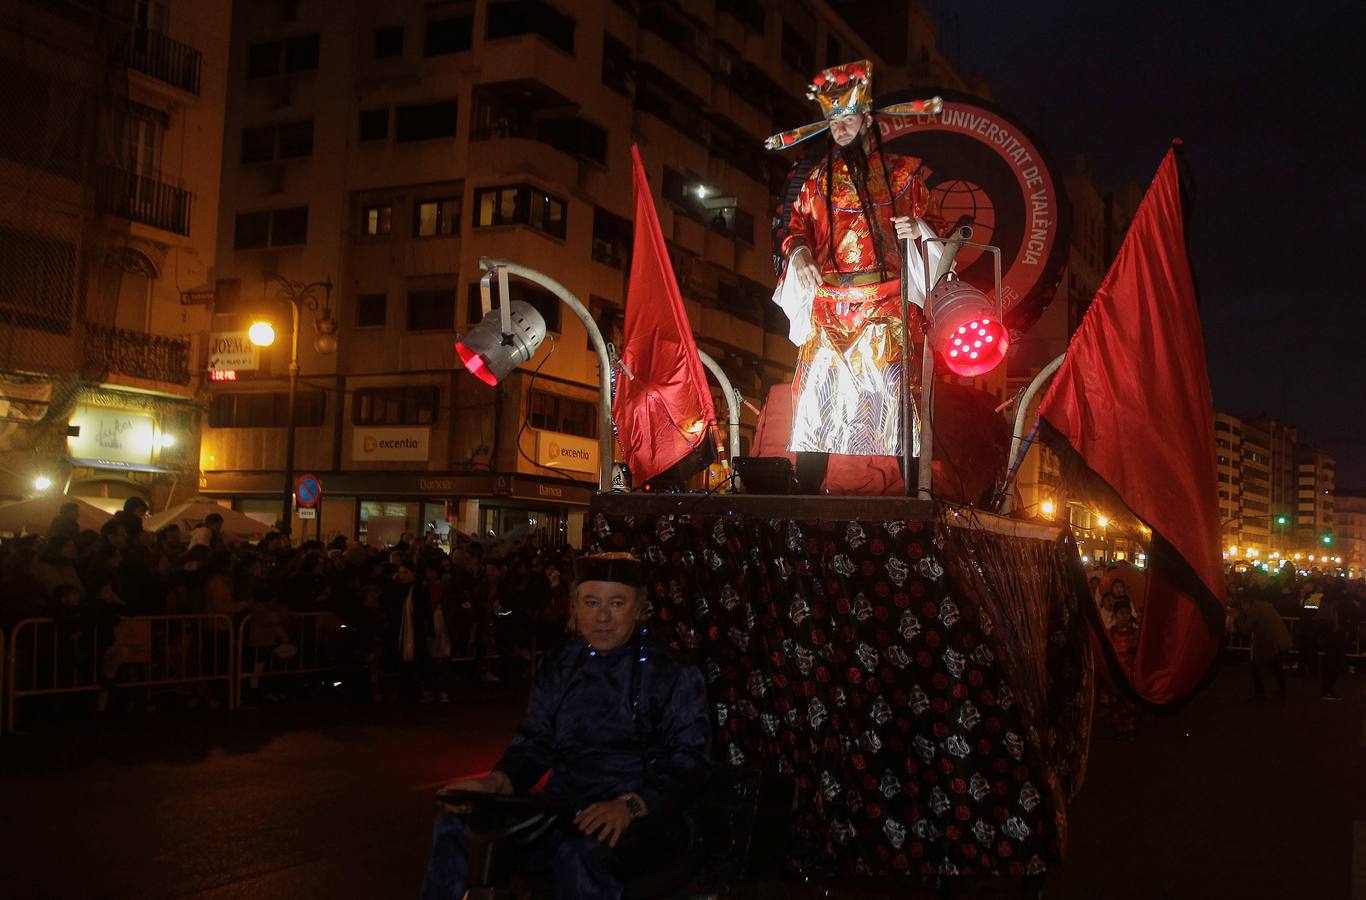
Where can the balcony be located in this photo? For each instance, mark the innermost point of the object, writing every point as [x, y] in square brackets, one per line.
[145, 200]
[116, 351]
[169, 61]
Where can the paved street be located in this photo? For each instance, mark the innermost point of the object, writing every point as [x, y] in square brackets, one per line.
[1225, 799]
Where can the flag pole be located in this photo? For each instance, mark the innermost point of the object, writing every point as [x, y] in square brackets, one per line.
[907, 248]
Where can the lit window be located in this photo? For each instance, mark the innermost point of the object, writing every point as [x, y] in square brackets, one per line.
[436, 217]
[377, 220]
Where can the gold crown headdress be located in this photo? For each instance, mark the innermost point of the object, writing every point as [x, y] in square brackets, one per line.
[845, 90]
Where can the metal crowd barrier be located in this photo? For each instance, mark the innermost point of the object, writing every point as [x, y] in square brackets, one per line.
[1355, 643]
[313, 637]
[145, 652]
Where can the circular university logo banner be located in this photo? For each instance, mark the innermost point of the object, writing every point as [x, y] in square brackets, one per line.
[986, 171]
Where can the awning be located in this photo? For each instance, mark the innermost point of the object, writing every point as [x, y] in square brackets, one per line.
[124, 467]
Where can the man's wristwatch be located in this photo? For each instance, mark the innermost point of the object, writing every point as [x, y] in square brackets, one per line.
[634, 807]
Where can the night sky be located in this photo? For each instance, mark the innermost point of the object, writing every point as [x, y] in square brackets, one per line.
[1269, 101]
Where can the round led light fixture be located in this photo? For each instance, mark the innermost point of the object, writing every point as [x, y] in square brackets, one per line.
[490, 354]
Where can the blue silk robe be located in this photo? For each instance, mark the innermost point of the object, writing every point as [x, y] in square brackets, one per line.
[633, 719]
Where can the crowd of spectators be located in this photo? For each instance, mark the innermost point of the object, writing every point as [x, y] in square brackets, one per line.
[1323, 613]
[402, 616]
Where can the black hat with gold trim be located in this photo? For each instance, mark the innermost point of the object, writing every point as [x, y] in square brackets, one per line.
[622, 568]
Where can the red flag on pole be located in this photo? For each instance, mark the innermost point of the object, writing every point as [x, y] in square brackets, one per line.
[663, 406]
[1132, 402]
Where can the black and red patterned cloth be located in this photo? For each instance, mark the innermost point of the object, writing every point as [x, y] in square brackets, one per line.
[865, 661]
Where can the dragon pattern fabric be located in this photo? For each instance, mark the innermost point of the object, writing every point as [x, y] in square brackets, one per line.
[857, 659]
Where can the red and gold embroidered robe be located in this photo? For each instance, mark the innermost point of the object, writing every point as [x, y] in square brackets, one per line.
[846, 392]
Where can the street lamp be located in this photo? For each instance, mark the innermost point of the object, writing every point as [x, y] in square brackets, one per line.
[262, 334]
[42, 483]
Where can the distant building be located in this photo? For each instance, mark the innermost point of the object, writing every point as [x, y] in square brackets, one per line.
[111, 134]
[1349, 507]
[1315, 522]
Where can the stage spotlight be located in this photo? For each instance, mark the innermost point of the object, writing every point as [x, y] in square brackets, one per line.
[965, 329]
[490, 354]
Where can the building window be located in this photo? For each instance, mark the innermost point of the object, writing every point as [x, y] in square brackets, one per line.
[371, 310]
[301, 53]
[258, 144]
[436, 217]
[270, 142]
[415, 405]
[577, 137]
[617, 65]
[388, 41]
[680, 190]
[425, 122]
[519, 17]
[519, 204]
[612, 239]
[296, 139]
[431, 310]
[37, 281]
[552, 412]
[452, 35]
[546, 303]
[266, 410]
[271, 228]
[750, 13]
[298, 54]
[797, 51]
[608, 316]
[374, 124]
[376, 220]
[263, 60]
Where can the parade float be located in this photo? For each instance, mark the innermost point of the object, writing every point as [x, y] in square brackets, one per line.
[916, 660]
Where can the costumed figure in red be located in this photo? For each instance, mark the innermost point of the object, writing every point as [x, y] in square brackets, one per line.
[1124, 639]
[841, 284]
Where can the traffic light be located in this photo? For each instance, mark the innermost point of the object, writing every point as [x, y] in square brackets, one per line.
[1282, 519]
[1328, 539]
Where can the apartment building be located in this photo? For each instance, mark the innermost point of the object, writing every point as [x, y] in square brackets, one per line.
[110, 154]
[1349, 508]
[1315, 520]
[378, 150]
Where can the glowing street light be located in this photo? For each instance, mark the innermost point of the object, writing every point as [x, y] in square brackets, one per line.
[1046, 507]
[42, 483]
[261, 333]
[1102, 521]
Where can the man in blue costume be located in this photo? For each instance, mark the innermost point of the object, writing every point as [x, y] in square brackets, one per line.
[622, 728]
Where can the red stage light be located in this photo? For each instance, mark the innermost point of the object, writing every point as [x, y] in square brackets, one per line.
[476, 364]
[965, 330]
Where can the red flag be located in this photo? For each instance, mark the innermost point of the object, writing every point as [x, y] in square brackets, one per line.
[663, 405]
[1132, 402]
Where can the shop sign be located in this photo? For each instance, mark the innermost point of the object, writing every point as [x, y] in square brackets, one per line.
[566, 451]
[390, 444]
[112, 435]
[233, 351]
